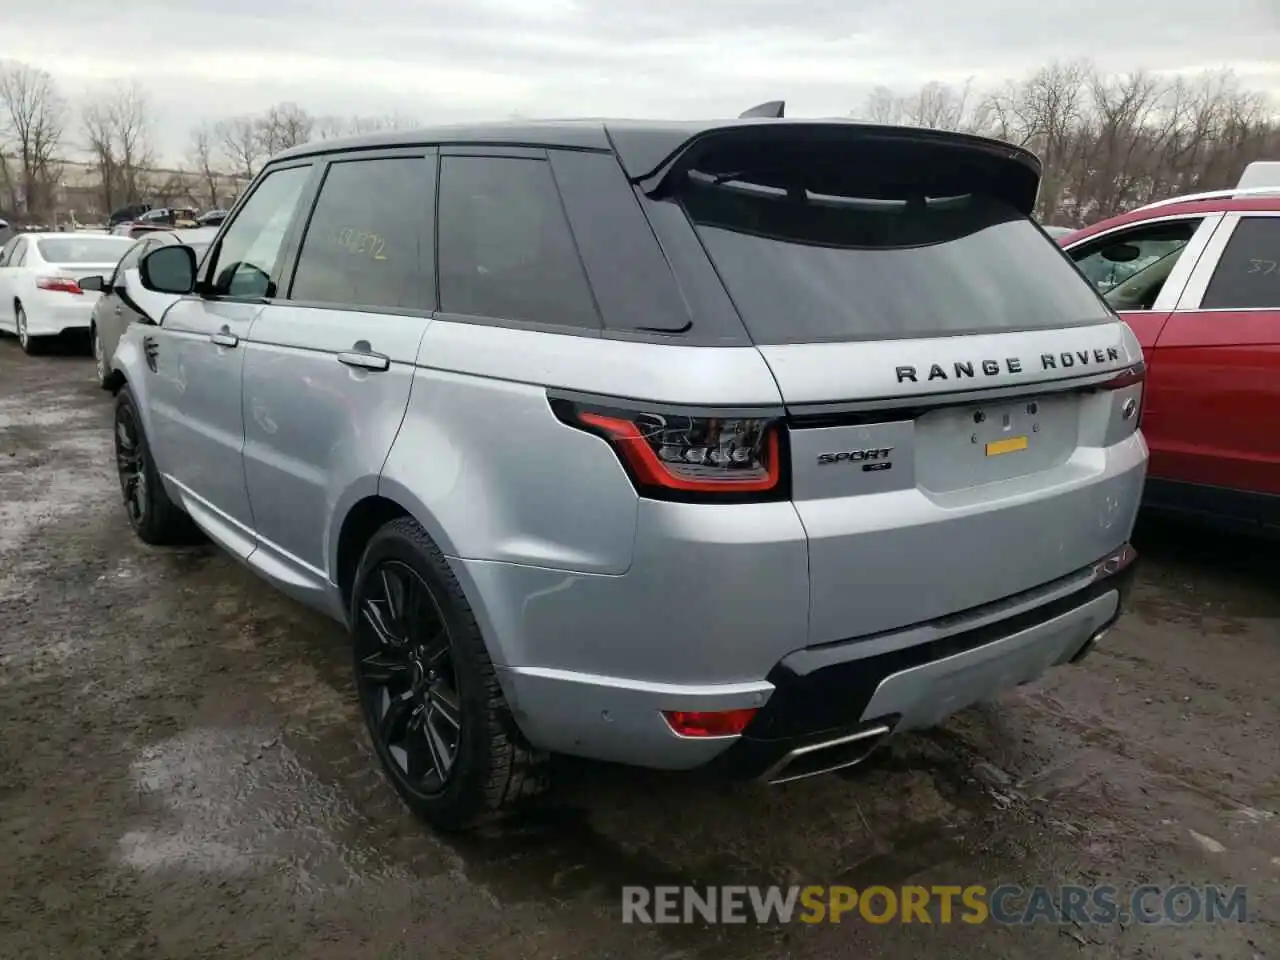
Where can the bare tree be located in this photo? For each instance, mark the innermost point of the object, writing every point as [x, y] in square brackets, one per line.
[239, 143]
[32, 121]
[883, 106]
[200, 155]
[8, 184]
[117, 127]
[1106, 141]
[283, 126]
[330, 127]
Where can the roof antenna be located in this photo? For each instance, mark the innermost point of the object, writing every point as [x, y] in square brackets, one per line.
[772, 110]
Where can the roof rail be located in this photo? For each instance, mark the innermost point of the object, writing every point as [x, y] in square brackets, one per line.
[772, 109]
[1214, 195]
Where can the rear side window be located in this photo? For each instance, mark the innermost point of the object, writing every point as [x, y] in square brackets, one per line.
[805, 266]
[367, 243]
[506, 251]
[1248, 274]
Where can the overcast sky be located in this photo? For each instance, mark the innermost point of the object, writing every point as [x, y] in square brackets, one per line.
[440, 61]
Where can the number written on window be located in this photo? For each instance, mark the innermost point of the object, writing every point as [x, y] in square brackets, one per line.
[368, 241]
[1248, 275]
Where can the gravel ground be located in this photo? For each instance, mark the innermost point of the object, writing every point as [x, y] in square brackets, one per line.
[183, 772]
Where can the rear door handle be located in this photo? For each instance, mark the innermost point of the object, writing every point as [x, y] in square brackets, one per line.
[366, 361]
[224, 338]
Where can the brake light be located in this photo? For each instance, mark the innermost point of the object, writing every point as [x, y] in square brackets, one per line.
[676, 456]
[58, 285]
[709, 723]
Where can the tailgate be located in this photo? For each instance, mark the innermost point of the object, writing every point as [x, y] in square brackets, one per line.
[922, 505]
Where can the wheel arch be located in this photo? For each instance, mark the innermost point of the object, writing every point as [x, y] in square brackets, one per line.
[363, 518]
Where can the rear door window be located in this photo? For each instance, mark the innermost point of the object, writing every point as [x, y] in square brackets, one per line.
[805, 266]
[1248, 273]
[368, 240]
[506, 251]
[1109, 261]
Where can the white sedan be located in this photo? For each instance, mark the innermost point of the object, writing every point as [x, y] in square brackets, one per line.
[40, 295]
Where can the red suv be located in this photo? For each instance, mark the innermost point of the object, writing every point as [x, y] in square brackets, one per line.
[1198, 279]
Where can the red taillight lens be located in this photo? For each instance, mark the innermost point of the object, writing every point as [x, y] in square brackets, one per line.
[58, 285]
[709, 723]
[670, 454]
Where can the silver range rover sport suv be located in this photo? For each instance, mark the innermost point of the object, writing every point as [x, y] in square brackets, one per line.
[740, 444]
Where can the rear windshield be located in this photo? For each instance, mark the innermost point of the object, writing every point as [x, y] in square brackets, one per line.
[84, 249]
[808, 267]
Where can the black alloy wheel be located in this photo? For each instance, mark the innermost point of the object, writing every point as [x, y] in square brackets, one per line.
[131, 465]
[406, 679]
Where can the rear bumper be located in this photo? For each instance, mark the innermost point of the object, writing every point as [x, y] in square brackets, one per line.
[47, 319]
[912, 679]
[856, 691]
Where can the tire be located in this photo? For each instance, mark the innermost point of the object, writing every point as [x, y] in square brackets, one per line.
[424, 661]
[153, 516]
[101, 369]
[31, 346]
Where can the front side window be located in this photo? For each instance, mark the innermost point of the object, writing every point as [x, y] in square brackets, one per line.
[1110, 261]
[365, 243]
[1248, 274]
[251, 245]
[506, 250]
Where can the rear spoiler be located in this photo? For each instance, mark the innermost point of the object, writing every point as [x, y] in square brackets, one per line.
[891, 158]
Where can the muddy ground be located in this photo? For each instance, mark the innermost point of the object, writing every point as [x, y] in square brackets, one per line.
[183, 772]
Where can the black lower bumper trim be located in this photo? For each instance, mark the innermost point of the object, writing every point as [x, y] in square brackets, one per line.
[821, 692]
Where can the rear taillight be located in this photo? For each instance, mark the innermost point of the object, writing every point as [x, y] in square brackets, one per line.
[678, 456]
[58, 285]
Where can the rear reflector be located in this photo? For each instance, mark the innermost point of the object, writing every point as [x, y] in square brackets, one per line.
[709, 723]
[58, 285]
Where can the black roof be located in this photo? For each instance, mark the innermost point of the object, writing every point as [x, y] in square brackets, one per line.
[642, 146]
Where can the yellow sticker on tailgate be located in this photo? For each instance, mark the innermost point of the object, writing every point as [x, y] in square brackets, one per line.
[1007, 445]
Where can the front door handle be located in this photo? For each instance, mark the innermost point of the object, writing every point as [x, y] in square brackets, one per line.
[365, 361]
[224, 338]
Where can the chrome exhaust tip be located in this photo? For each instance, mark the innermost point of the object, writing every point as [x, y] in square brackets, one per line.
[1089, 644]
[826, 756]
